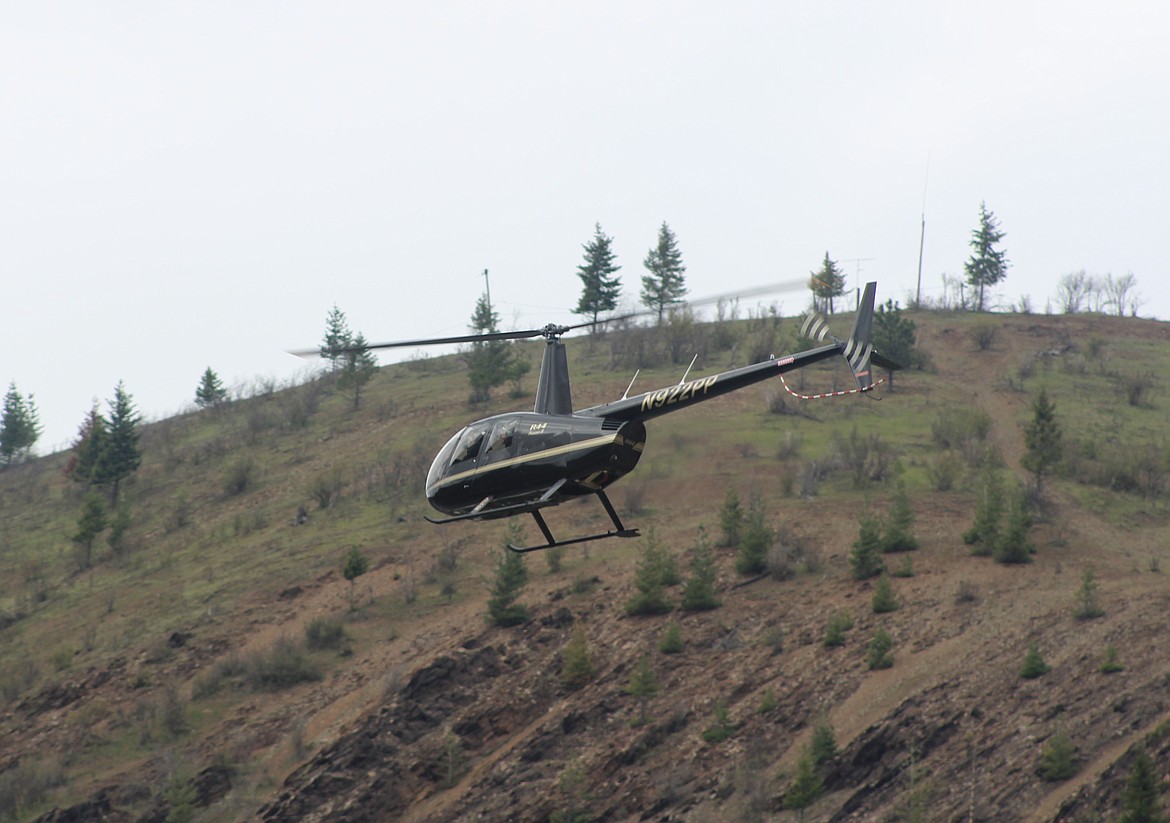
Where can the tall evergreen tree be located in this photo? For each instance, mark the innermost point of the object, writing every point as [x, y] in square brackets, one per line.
[1012, 544]
[826, 283]
[699, 590]
[90, 524]
[337, 338]
[656, 570]
[577, 668]
[357, 369]
[897, 536]
[210, 392]
[511, 578]
[865, 560]
[643, 685]
[490, 363]
[600, 286]
[987, 264]
[666, 283]
[1041, 438]
[19, 427]
[731, 518]
[983, 535]
[895, 336]
[87, 448]
[1140, 800]
[807, 784]
[120, 456]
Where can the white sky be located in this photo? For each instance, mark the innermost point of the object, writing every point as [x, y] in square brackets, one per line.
[193, 184]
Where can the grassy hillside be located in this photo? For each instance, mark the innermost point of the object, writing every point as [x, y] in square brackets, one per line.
[215, 661]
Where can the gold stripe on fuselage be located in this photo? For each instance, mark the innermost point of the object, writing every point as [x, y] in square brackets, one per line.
[591, 443]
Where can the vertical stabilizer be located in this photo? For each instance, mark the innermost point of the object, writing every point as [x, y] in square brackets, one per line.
[858, 349]
[552, 389]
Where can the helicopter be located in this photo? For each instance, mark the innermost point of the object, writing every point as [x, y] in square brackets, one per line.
[523, 462]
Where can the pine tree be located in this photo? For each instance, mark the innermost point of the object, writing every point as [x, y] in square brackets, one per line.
[984, 532]
[358, 365]
[1140, 800]
[731, 518]
[666, 283]
[573, 786]
[699, 591]
[656, 569]
[883, 596]
[19, 427]
[806, 786]
[337, 338]
[1034, 665]
[1041, 439]
[1058, 760]
[87, 448]
[490, 363]
[756, 541]
[643, 686]
[880, 646]
[511, 577]
[897, 537]
[839, 623]
[90, 524]
[895, 336]
[1088, 606]
[600, 286]
[826, 283]
[823, 745]
[210, 392]
[355, 566]
[119, 457]
[578, 667]
[1111, 665]
[1012, 544]
[987, 265]
[865, 559]
[672, 641]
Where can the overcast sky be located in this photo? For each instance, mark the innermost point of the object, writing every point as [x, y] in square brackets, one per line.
[194, 184]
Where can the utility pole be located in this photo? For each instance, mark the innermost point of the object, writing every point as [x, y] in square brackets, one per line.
[922, 237]
[487, 285]
[857, 288]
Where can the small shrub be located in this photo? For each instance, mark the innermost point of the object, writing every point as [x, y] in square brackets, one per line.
[721, 728]
[1058, 760]
[982, 335]
[1034, 665]
[880, 654]
[324, 633]
[1088, 607]
[240, 475]
[838, 624]
[967, 592]
[281, 666]
[326, 488]
[1111, 665]
[672, 641]
[578, 666]
[905, 568]
[823, 745]
[883, 596]
[768, 702]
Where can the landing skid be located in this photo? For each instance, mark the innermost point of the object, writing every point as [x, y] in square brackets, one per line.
[621, 531]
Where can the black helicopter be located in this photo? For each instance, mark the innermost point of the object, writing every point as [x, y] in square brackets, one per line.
[522, 462]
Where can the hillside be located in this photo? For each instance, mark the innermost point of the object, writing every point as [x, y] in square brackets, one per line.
[173, 674]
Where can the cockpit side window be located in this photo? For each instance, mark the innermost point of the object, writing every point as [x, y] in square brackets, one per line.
[469, 444]
[501, 438]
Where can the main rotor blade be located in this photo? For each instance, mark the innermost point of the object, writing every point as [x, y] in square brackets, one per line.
[430, 341]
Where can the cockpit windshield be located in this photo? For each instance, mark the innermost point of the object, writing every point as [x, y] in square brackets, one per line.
[441, 460]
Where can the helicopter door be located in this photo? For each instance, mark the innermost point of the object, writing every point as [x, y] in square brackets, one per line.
[499, 443]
